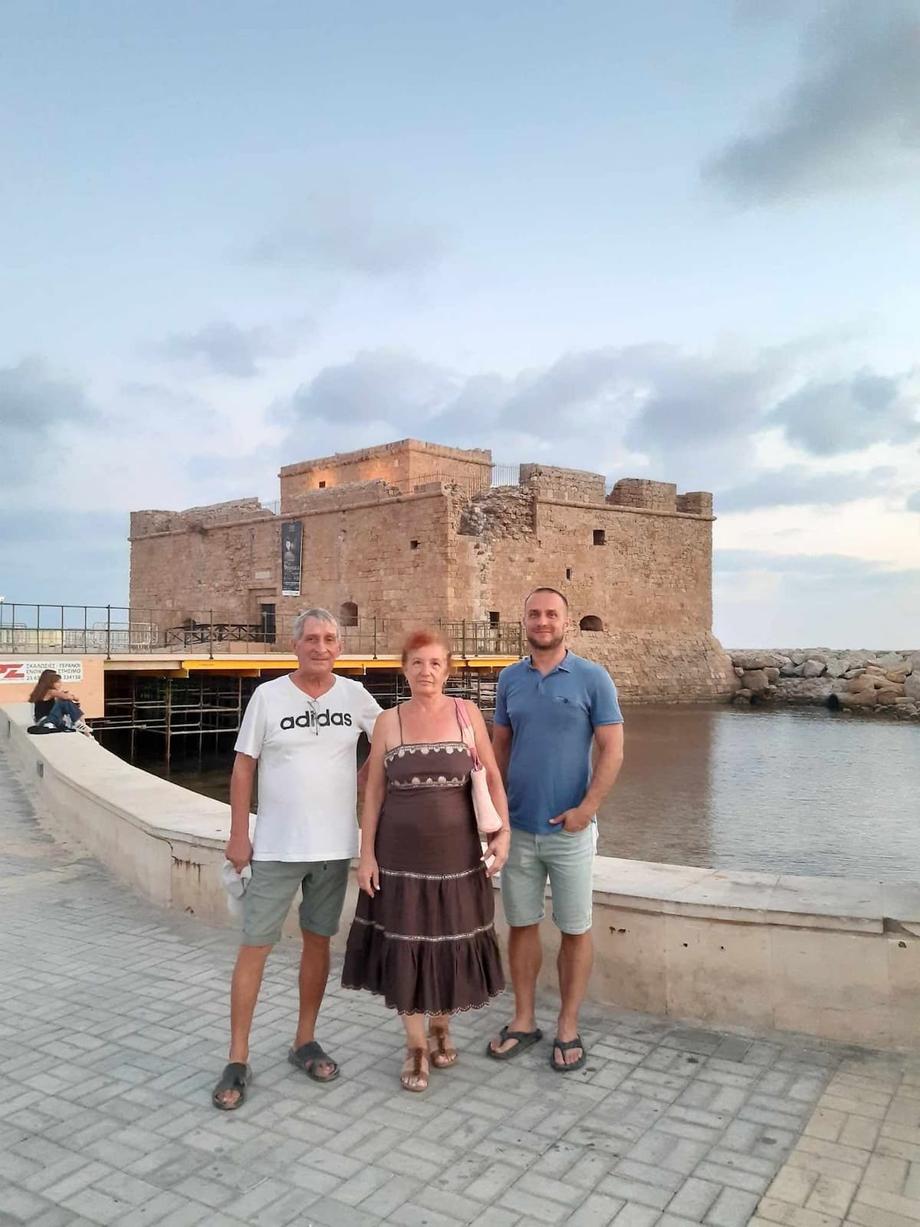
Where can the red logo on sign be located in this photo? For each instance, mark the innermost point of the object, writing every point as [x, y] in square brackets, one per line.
[12, 672]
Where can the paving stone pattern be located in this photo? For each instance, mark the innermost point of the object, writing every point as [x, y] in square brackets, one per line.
[113, 1020]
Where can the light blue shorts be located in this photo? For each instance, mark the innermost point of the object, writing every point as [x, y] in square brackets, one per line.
[567, 861]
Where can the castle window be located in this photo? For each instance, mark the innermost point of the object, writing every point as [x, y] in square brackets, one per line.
[590, 622]
[568, 572]
[322, 485]
[494, 617]
[348, 614]
[413, 544]
[600, 537]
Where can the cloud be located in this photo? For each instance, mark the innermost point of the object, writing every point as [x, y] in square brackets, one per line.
[807, 599]
[796, 486]
[817, 567]
[850, 414]
[850, 121]
[659, 397]
[655, 407]
[32, 400]
[692, 401]
[38, 414]
[80, 556]
[375, 386]
[223, 348]
[343, 234]
[766, 12]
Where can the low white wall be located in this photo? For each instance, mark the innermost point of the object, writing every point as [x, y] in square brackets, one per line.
[832, 957]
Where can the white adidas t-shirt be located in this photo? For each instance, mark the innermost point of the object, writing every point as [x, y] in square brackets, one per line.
[306, 753]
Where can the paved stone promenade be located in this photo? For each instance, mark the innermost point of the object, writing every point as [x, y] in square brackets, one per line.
[113, 1019]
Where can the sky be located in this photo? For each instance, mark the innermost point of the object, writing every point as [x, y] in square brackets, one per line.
[665, 240]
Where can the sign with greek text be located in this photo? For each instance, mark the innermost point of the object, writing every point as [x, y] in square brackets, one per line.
[30, 670]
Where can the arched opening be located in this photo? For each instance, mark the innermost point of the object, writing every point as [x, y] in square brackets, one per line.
[590, 622]
[348, 614]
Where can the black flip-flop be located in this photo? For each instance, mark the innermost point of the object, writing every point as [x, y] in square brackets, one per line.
[236, 1077]
[564, 1067]
[308, 1056]
[525, 1040]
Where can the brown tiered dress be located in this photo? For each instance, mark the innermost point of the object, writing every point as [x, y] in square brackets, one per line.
[426, 941]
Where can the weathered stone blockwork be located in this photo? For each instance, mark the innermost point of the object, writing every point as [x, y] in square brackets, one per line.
[406, 465]
[413, 531]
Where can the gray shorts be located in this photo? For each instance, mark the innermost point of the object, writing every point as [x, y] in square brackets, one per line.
[271, 891]
[567, 861]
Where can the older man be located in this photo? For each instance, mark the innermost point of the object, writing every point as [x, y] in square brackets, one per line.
[301, 730]
[552, 708]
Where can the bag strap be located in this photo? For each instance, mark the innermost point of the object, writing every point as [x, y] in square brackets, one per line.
[466, 732]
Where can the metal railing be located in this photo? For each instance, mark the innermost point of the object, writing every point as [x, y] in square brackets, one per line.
[485, 638]
[33, 629]
[506, 474]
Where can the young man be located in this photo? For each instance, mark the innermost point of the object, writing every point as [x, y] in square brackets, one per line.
[552, 708]
[302, 731]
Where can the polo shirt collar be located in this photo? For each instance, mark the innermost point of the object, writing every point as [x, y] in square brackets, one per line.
[562, 667]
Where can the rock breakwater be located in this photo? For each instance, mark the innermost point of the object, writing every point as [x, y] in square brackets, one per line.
[877, 683]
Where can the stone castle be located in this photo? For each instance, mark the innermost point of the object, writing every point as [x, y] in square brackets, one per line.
[410, 533]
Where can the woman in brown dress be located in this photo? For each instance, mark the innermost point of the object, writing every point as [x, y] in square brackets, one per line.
[423, 935]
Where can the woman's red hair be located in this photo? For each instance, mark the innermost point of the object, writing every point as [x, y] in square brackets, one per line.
[425, 638]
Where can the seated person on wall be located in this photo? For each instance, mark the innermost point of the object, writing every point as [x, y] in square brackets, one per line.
[57, 710]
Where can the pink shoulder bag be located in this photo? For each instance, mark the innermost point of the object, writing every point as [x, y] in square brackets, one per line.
[488, 818]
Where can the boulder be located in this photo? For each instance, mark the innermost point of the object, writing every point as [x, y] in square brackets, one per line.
[836, 666]
[739, 672]
[799, 657]
[742, 696]
[859, 698]
[890, 660]
[912, 686]
[806, 689]
[850, 660]
[898, 676]
[855, 685]
[750, 661]
[812, 668]
[888, 696]
[771, 674]
[754, 680]
[788, 670]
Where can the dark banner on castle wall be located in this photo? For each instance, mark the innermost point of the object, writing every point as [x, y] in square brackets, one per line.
[291, 550]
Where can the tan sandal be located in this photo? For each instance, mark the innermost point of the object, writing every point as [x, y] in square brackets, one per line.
[443, 1054]
[413, 1076]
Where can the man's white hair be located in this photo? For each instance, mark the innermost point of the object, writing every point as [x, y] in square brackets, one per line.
[318, 615]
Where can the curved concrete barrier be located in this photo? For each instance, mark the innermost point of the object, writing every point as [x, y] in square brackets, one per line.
[832, 957]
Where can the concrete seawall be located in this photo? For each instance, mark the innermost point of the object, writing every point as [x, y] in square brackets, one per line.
[832, 957]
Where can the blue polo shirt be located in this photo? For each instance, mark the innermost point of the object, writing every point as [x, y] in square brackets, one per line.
[552, 720]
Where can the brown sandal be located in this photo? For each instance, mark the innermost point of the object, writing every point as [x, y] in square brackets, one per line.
[413, 1077]
[443, 1055]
